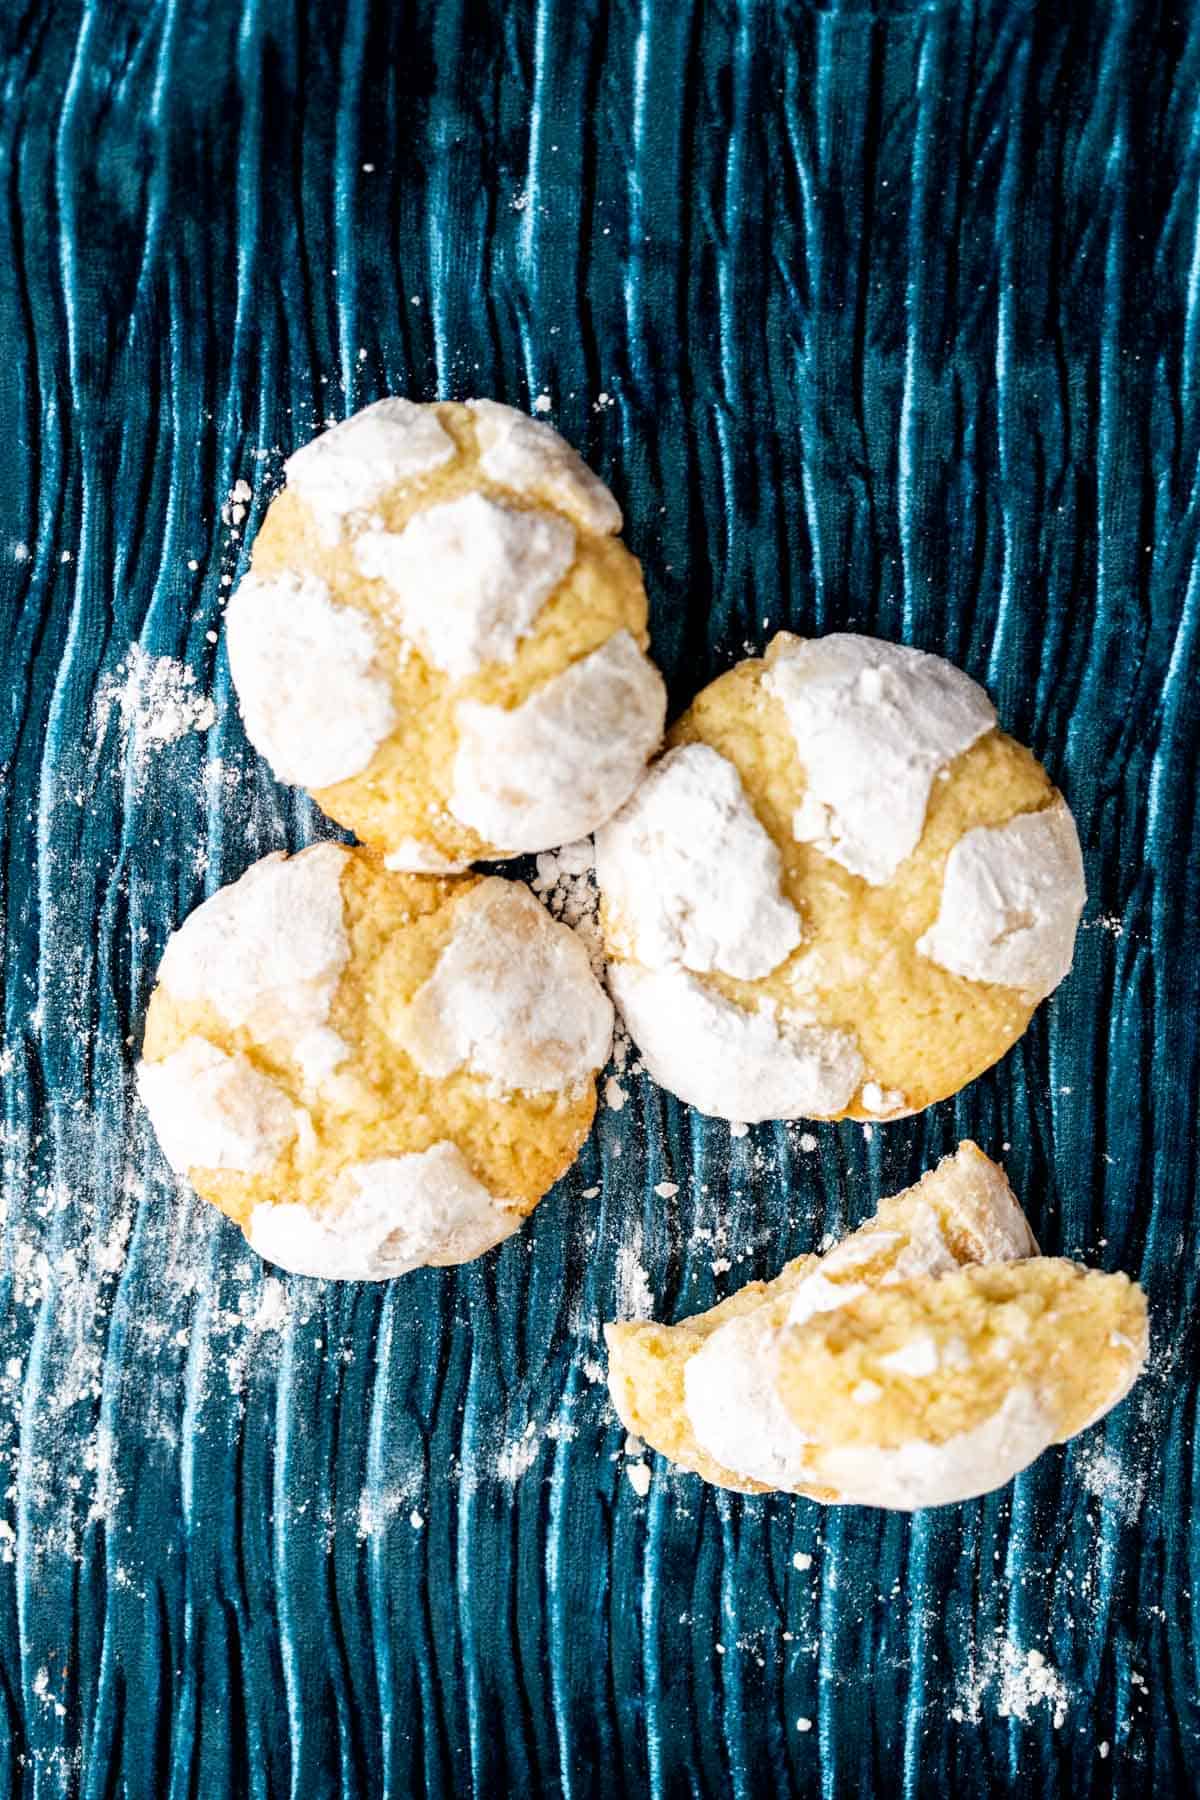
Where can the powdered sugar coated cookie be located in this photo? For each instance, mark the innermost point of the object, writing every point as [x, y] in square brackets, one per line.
[370, 1071]
[443, 638]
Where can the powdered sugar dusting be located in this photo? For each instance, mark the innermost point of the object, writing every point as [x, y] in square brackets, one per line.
[529, 457]
[388, 1216]
[634, 1296]
[730, 1062]
[267, 951]
[345, 471]
[312, 694]
[1018, 1683]
[156, 700]
[1011, 899]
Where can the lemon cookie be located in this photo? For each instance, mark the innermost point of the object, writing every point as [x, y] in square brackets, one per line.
[703, 1391]
[841, 892]
[442, 637]
[371, 1071]
[947, 1386]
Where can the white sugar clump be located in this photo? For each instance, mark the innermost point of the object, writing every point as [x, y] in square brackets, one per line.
[347, 470]
[919, 1357]
[267, 951]
[690, 873]
[529, 457]
[467, 579]
[886, 1103]
[729, 1062]
[873, 723]
[734, 1407]
[410, 856]
[558, 765]
[511, 998]
[213, 1111]
[565, 884]
[1011, 900]
[311, 692]
[386, 1217]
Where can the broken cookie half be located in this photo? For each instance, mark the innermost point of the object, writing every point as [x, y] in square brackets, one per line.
[927, 1358]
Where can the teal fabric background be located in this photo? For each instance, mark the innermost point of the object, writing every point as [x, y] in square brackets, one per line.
[897, 310]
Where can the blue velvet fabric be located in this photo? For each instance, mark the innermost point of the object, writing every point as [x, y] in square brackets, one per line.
[876, 316]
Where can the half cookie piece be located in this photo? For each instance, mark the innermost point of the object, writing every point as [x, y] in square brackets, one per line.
[841, 892]
[442, 637]
[371, 1071]
[729, 1394]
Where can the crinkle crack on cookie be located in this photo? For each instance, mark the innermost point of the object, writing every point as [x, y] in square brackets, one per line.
[733, 1393]
[579, 723]
[841, 892]
[715, 900]
[510, 1000]
[371, 1071]
[442, 637]
[873, 723]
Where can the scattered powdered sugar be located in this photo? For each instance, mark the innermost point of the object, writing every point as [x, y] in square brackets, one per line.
[1112, 923]
[1101, 1472]
[378, 1508]
[633, 1293]
[518, 1455]
[157, 701]
[565, 883]
[1018, 1681]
